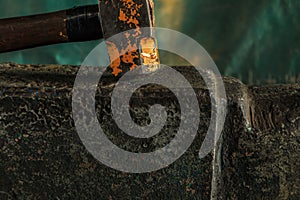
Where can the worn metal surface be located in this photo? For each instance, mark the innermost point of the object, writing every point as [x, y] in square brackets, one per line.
[118, 18]
[262, 161]
[42, 156]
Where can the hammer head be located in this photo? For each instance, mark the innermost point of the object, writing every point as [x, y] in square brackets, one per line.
[137, 45]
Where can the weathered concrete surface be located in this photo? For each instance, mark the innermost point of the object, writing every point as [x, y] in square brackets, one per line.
[42, 156]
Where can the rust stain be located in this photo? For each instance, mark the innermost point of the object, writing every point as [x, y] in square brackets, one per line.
[129, 57]
[122, 15]
[114, 53]
[129, 13]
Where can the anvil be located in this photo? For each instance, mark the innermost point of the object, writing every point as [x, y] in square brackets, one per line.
[85, 23]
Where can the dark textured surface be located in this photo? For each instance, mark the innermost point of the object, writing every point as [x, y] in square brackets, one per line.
[263, 161]
[42, 156]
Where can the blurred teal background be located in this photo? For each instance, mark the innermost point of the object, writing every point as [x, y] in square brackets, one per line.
[257, 41]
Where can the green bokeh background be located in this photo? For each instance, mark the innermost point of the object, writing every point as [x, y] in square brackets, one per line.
[257, 41]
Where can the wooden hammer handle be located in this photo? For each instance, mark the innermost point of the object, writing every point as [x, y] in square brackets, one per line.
[72, 25]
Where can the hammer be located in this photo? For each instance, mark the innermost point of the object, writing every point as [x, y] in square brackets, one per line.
[86, 23]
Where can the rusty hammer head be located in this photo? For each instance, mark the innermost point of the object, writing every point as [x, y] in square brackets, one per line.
[138, 46]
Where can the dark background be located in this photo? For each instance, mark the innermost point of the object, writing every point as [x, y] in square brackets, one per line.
[257, 41]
